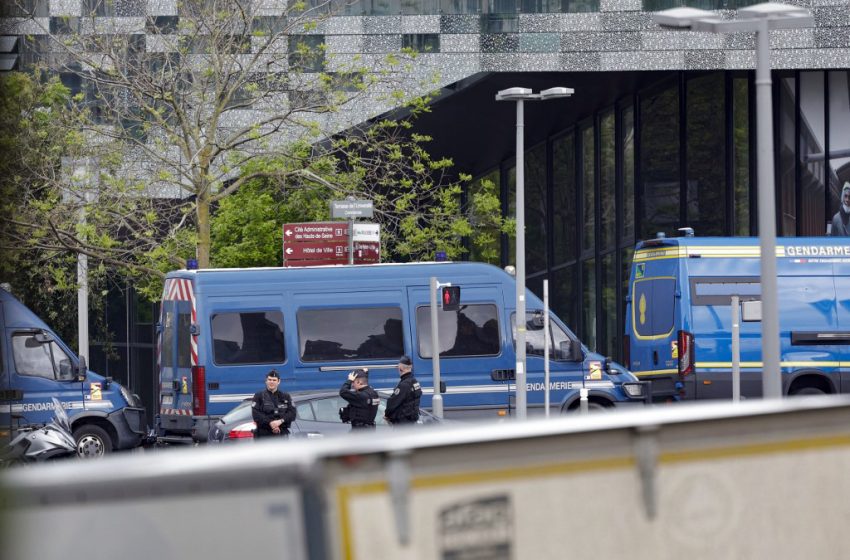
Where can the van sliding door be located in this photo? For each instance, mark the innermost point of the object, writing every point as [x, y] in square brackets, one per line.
[472, 342]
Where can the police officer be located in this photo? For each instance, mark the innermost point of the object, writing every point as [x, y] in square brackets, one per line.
[271, 409]
[362, 400]
[403, 405]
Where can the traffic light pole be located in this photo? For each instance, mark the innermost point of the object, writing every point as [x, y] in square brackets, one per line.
[437, 399]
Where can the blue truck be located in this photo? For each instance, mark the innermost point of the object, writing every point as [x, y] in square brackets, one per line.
[222, 330]
[678, 322]
[36, 365]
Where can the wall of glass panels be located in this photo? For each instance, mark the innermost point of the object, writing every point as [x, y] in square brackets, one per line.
[678, 153]
[813, 152]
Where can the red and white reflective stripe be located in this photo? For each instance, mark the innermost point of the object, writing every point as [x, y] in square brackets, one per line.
[175, 411]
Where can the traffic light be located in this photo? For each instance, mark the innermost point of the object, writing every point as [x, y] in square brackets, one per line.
[451, 298]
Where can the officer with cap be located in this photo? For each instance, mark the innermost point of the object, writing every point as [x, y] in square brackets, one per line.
[362, 400]
[272, 410]
[403, 405]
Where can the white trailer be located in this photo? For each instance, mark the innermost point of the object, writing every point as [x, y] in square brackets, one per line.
[762, 479]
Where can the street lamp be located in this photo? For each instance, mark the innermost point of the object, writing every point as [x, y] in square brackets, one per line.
[519, 95]
[761, 19]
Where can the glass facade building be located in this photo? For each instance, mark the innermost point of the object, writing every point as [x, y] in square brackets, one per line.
[678, 153]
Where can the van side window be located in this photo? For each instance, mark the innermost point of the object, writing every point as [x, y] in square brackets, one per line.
[653, 306]
[719, 291]
[40, 359]
[535, 341]
[248, 338]
[473, 330]
[350, 333]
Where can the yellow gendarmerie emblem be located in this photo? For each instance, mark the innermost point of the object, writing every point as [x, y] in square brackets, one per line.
[642, 309]
[595, 370]
[95, 392]
[674, 349]
[184, 388]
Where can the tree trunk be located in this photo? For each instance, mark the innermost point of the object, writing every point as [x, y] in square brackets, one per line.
[203, 213]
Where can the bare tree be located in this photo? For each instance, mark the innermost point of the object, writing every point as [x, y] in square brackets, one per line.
[173, 117]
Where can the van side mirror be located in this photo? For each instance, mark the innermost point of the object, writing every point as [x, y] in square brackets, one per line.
[43, 337]
[537, 319]
[82, 369]
[571, 350]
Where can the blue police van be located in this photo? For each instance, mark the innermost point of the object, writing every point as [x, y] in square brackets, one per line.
[35, 365]
[679, 315]
[222, 330]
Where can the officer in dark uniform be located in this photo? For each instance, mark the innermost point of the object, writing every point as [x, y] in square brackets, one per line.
[403, 405]
[271, 409]
[362, 400]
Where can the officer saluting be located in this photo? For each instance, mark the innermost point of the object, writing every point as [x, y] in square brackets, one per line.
[403, 405]
[271, 409]
[362, 400]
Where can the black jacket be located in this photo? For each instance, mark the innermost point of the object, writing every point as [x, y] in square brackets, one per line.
[403, 405]
[268, 406]
[362, 405]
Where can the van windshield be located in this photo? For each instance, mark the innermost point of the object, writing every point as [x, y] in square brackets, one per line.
[653, 306]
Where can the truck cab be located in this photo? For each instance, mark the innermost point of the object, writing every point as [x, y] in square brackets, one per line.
[36, 365]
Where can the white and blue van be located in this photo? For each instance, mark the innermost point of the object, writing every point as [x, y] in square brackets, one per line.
[35, 365]
[222, 330]
[679, 315]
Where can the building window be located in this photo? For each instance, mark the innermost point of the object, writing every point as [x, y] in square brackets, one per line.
[705, 150]
[564, 287]
[24, 8]
[627, 145]
[535, 210]
[609, 340]
[164, 25]
[812, 140]
[607, 181]
[659, 160]
[588, 187]
[838, 170]
[499, 23]
[588, 303]
[741, 155]
[421, 42]
[449, 7]
[787, 203]
[564, 198]
[420, 7]
[307, 53]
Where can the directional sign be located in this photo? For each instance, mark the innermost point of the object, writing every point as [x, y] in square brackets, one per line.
[351, 209]
[362, 249]
[367, 232]
[316, 231]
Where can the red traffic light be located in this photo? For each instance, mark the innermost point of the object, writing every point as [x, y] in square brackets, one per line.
[451, 298]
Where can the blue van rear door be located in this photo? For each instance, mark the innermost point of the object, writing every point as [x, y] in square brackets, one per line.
[176, 358]
[473, 343]
[655, 318]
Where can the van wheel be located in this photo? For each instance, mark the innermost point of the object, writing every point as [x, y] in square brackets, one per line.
[92, 441]
[592, 406]
[808, 391]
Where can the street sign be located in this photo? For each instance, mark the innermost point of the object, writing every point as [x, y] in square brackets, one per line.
[367, 232]
[316, 231]
[366, 250]
[351, 209]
